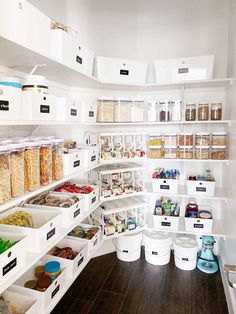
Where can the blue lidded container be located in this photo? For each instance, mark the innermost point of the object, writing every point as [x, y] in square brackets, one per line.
[52, 269]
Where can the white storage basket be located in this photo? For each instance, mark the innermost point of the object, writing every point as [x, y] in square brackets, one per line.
[87, 112]
[168, 186]
[67, 109]
[198, 225]
[128, 247]
[201, 188]
[72, 162]
[185, 251]
[10, 103]
[166, 222]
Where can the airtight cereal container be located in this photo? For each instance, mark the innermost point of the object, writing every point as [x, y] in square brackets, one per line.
[155, 140]
[46, 162]
[170, 139]
[123, 110]
[32, 165]
[185, 139]
[17, 169]
[202, 139]
[57, 159]
[105, 111]
[202, 152]
[218, 152]
[5, 185]
[186, 152]
[170, 152]
[219, 139]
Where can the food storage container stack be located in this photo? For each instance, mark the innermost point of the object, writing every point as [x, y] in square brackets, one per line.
[122, 111]
[5, 186]
[17, 169]
[106, 109]
[46, 162]
[57, 159]
[32, 165]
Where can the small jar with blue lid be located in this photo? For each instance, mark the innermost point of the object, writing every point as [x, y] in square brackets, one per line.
[52, 269]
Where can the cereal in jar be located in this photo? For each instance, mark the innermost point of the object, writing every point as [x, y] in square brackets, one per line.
[57, 159]
[202, 139]
[17, 169]
[46, 162]
[202, 152]
[156, 152]
[203, 112]
[186, 152]
[185, 139]
[170, 139]
[5, 185]
[219, 139]
[32, 166]
[218, 152]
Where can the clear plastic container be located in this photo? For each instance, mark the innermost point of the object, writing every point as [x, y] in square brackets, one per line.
[105, 110]
[123, 110]
[203, 112]
[202, 152]
[156, 152]
[190, 112]
[17, 171]
[155, 140]
[46, 162]
[175, 110]
[5, 183]
[137, 110]
[185, 139]
[57, 159]
[170, 152]
[186, 152]
[32, 166]
[202, 139]
[218, 152]
[216, 111]
[151, 111]
[164, 111]
[219, 139]
[170, 139]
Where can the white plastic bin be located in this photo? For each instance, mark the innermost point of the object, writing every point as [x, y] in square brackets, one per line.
[87, 112]
[185, 251]
[120, 71]
[72, 162]
[10, 103]
[38, 106]
[201, 188]
[168, 186]
[198, 225]
[184, 69]
[157, 247]
[47, 227]
[14, 258]
[67, 109]
[128, 247]
[19, 303]
[84, 59]
[166, 222]
[89, 155]
[74, 266]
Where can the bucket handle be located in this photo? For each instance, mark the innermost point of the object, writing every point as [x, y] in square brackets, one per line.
[122, 251]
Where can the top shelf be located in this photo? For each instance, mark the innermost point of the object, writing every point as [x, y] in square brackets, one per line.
[23, 59]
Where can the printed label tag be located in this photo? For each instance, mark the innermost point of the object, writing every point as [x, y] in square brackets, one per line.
[200, 226]
[44, 109]
[9, 266]
[79, 59]
[91, 113]
[77, 212]
[51, 233]
[73, 112]
[185, 259]
[200, 189]
[94, 199]
[165, 223]
[93, 158]
[164, 187]
[125, 251]
[80, 261]
[55, 291]
[154, 253]
[124, 72]
[183, 70]
[4, 105]
[76, 163]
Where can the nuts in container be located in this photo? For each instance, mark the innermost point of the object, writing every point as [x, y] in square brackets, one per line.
[203, 112]
[57, 159]
[32, 166]
[186, 152]
[219, 138]
[5, 185]
[185, 139]
[202, 139]
[218, 152]
[17, 169]
[202, 152]
[46, 162]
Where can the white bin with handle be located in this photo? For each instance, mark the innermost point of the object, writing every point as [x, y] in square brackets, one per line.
[128, 247]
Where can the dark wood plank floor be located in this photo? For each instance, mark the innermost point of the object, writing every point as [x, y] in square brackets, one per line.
[110, 286]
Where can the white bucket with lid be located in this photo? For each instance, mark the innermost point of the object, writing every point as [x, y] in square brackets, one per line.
[157, 247]
[128, 247]
[185, 251]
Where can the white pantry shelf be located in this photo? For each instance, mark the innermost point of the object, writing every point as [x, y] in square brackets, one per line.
[115, 236]
[159, 160]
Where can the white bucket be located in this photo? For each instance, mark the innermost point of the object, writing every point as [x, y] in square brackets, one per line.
[157, 247]
[185, 251]
[128, 247]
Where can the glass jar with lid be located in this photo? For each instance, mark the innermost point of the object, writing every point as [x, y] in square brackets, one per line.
[32, 165]
[105, 110]
[218, 152]
[164, 111]
[155, 140]
[57, 159]
[203, 112]
[202, 139]
[170, 139]
[156, 152]
[170, 152]
[186, 152]
[219, 139]
[17, 169]
[46, 162]
[122, 110]
[190, 112]
[5, 183]
[202, 152]
[186, 139]
[216, 111]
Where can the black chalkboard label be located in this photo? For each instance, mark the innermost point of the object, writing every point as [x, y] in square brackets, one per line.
[200, 226]
[200, 189]
[55, 291]
[80, 261]
[183, 70]
[164, 187]
[77, 212]
[124, 72]
[154, 253]
[79, 59]
[51, 233]
[185, 259]
[76, 163]
[9, 266]
[4, 105]
[125, 251]
[73, 112]
[167, 224]
[44, 109]
[94, 199]
[93, 158]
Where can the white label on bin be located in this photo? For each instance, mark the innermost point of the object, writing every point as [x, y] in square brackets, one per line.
[165, 223]
[73, 112]
[55, 291]
[200, 189]
[185, 259]
[164, 187]
[154, 253]
[93, 158]
[44, 109]
[77, 212]
[4, 105]
[200, 226]
[9, 266]
[183, 70]
[76, 163]
[51, 233]
[91, 113]
[79, 59]
[80, 261]
[125, 251]
[94, 199]
[95, 242]
[124, 72]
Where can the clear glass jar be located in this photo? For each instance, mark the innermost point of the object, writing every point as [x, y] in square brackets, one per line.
[105, 110]
[185, 139]
[5, 183]
[32, 166]
[219, 139]
[190, 112]
[203, 112]
[202, 139]
[186, 152]
[17, 171]
[156, 152]
[123, 110]
[170, 139]
[164, 111]
[218, 152]
[155, 140]
[202, 152]
[216, 111]
[46, 162]
[57, 159]
[170, 152]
